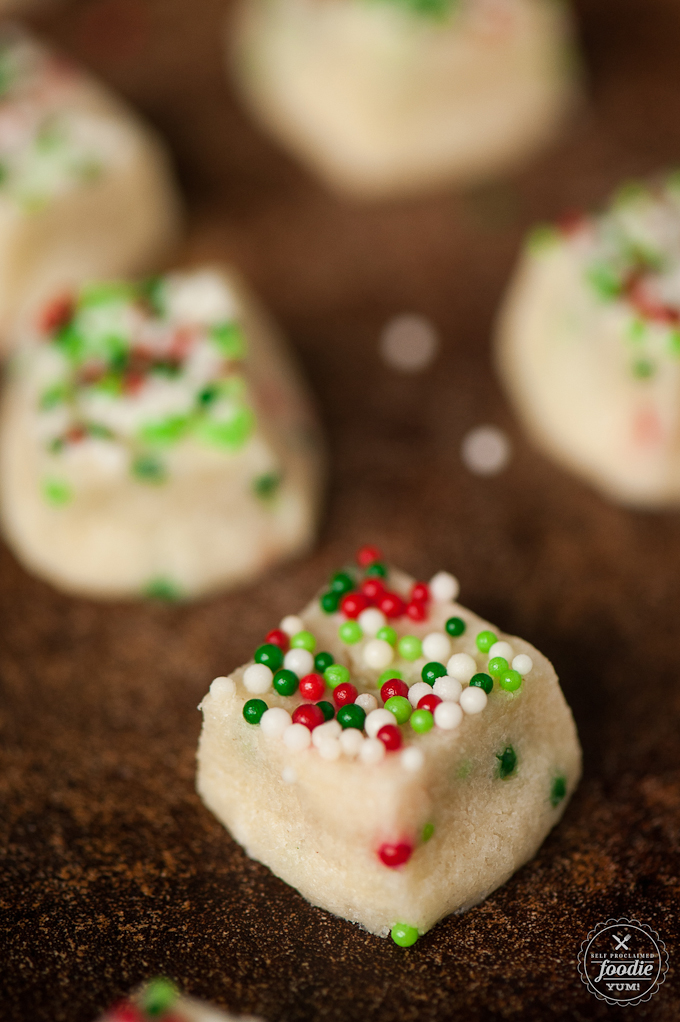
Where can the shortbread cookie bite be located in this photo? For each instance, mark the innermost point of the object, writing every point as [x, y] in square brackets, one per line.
[156, 439]
[589, 343]
[388, 753]
[385, 98]
[161, 1001]
[85, 188]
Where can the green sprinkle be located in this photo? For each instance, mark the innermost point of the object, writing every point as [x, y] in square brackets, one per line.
[455, 626]
[285, 682]
[510, 680]
[160, 995]
[336, 674]
[604, 281]
[507, 762]
[149, 469]
[428, 831]
[166, 432]
[152, 291]
[341, 583]
[267, 486]
[558, 790]
[253, 710]
[629, 192]
[404, 935]
[105, 293]
[350, 632]
[57, 492]
[327, 709]
[642, 369]
[269, 655]
[389, 674]
[387, 634]
[71, 342]
[95, 429]
[482, 681]
[230, 339]
[541, 238]
[422, 721]
[322, 661]
[432, 671]
[351, 716]
[162, 589]
[497, 665]
[376, 570]
[54, 396]
[231, 434]
[410, 648]
[637, 330]
[329, 602]
[485, 641]
[674, 343]
[303, 640]
[400, 707]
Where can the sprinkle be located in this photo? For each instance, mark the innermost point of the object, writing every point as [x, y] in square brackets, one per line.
[275, 721]
[431, 671]
[309, 715]
[285, 682]
[395, 855]
[444, 587]
[448, 689]
[510, 680]
[400, 707]
[485, 640]
[270, 655]
[417, 691]
[336, 674]
[279, 638]
[485, 450]
[497, 665]
[371, 621]
[448, 716]
[428, 831]
[258, 678]
[409, 343]
[341, 583]
[437, 646]
[368, 555]
[422, 721]
[416, 611]
[392, 605]
[367, 702]
[312, 686]
[325, 732]
[420, 593]
[322, 661]
[351, 741]
[455, 626]
[522, 664]
[389, 675]
[327, 709]
[297, 737]
[159, 997]
[558, 789]
[410, 648]
[344, 694]
[473, 700]
[377, 719]
[300, 661]
[352, 604]
[483, 681]
[503, 649]
[507, 762]
[390, 736]
[288, 775]
[350, 633]
[372, 588]
[303, 640]
[329, 602]
[378, 654]
[393, 687]
[223, 688]
[461, 666]
[351, 715]
[404, 935]
[429, 702]
[330, 749]
[412, 759]
[254, 711]
[387, 634]
[372, 751]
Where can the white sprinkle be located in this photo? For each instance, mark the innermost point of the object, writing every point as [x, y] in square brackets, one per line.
[461, 666]
[351, 741]
[377, 719]
[325, 732]
[522, 664]
[367, 702]
[409, 343]
[299, 661]
[417, 691]
[378, 654]
[275, 721]
[444, 587]
[473, 700]
[223, 688]
[437, 646]
[292, 624]
[329, 749]
[412, 759]
[448, 689]
[485, 450]
[257, 678]
[288, 775]
[447, 716]
[297, 737]
[503, 649]
[371, 620]
[372, 750]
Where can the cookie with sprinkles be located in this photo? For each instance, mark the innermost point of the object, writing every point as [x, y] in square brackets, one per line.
[161, 1001]
[589, 343]
[156, 440]
[395, 771]
[85, 187]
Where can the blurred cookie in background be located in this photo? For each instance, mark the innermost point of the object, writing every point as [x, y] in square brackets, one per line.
[160, 1001]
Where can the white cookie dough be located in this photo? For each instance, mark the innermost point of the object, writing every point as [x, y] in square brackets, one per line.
[155, 438]
[383, 98]
[394, 829]
[85, 188]
[589, 344]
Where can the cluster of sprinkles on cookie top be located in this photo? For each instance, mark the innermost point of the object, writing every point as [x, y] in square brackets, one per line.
[632, 256]
[157, 1001]
[127, 371]
[45, 148]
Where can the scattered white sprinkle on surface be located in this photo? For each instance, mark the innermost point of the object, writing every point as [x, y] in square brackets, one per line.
[367, 702]
[372, 751]
[378, 654]
[473, 700]
[351, 741]
[444, 587]
[288, 775]
[300, 661]
[257, 678]
[503, 649]
[448, 716]
[522, 664]
[297, 737]
[412, 759]
[224, 688]
[376, 720]
[292, 624]
[461, 666]
[327, 732]
[485, 450]
[409, 343]
[417, 691]
[274, 721]
[437, 646]
[371, 621]
[448, 689]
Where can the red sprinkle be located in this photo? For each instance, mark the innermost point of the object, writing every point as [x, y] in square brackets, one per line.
[416, 611]
[420, 592]
[429, 702]
[392, 605]
[352, 604]
[390, 736]
[372, 588]
[395, 855]
[55, 315]
[312, 687]
[368, 555]
[75, 434]
[309, 715]
[345, 694]
[393, 687]
[125, 1012]
[278, 638]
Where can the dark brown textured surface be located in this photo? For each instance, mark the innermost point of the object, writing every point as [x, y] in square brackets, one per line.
[112, 871]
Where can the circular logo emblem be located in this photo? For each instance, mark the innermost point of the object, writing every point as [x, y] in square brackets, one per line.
[623, 961]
